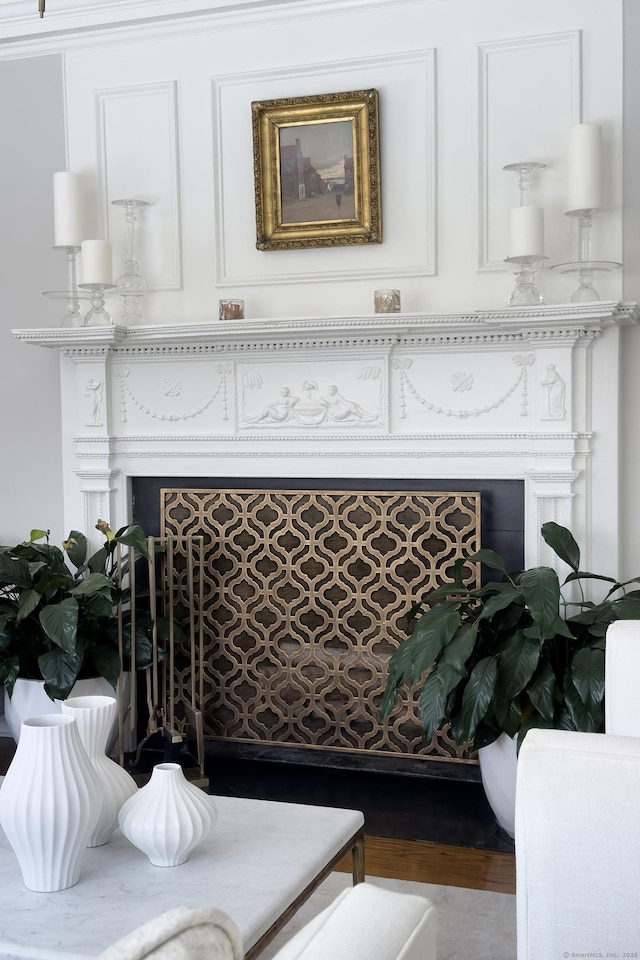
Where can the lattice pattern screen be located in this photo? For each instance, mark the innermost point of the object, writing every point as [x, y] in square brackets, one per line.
[305, 599]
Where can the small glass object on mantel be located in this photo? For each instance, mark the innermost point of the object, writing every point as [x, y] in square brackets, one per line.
[386, 301]
[130, 285]
[231, 309]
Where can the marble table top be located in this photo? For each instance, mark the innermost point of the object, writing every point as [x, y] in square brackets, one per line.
[262, 856]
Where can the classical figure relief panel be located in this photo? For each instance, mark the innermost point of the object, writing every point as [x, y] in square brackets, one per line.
[305, 599]
[331, 397]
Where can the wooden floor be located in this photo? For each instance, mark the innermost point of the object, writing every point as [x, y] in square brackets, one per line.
[438, 864]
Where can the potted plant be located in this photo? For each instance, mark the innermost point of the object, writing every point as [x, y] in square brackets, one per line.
[59, 619]
[512, 654]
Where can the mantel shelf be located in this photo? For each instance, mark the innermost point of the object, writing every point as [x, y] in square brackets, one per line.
[558, 319]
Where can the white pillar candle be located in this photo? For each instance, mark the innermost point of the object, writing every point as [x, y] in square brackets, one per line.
[68, 210]
[526, 232]
[585, 167]
[96, 262]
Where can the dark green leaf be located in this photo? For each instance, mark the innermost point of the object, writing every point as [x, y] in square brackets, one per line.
[431, 705]
[59, 671]
[29, 600]
[458, 650]
[94, 583]
[541, 691]
[14, 572]
[518, 661]
[477, 696]
[627, 608]
[133, 536]
[505, 595]
[490, 559]
[60, 623]
[587, 673]
[107, 663]
[77, 548]
[562, 543]
[541, 589]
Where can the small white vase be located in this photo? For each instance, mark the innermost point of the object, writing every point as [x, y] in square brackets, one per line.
[94, 716]
[168, 817]
[49, 802]
[498, 766]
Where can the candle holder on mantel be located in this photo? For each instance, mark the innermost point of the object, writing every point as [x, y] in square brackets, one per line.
[528, 220]
[73, 317]
[585, 266]
[131, 286]
[97, 315]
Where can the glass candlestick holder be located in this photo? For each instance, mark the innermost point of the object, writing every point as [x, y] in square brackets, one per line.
[585, 266]
[97, 315]
[73, 317]
[130, 285]
[526, 171]
[525, 292]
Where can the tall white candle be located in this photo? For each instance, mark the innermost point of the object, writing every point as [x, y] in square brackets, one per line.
[585, 167]
[96, 262]
[68, 210]
[526, 232]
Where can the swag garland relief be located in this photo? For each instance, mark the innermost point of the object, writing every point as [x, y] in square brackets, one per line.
[338, 397]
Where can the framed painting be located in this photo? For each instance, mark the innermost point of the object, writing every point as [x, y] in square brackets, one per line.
[317, 171]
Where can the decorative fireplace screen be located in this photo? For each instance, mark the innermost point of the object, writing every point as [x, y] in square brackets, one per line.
[305, 598]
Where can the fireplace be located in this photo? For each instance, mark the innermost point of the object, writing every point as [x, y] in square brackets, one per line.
[491, 397]
[307, 586]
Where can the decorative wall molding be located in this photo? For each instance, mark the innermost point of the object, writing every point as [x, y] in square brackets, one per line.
[135, 124]
[537, 91]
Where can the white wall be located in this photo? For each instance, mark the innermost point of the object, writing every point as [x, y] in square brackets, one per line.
[33, 147]
[466, 86]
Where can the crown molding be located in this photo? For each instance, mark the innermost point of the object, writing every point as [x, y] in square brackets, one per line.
[579, 321]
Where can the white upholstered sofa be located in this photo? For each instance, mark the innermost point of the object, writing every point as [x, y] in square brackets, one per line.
[364, 923]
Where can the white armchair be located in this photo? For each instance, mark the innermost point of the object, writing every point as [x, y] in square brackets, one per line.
[621, 673]
[577, 845]
[364, 923]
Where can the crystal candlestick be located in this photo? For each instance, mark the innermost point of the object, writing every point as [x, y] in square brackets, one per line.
[585, 266]
[525, 292]
[73, 317]
[97, 315]
[131, 286]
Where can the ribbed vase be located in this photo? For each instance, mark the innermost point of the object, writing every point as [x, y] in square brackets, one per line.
[49, 802]
[168, 817]
[95, 716]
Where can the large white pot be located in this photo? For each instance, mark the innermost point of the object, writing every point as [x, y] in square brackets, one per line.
[30, 700]
[498, 765]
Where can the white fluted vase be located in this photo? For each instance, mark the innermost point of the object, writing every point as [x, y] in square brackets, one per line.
[168, 817]
[95, 716]
[49, 802]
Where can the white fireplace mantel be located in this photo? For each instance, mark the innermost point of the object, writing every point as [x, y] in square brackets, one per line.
[527, 393]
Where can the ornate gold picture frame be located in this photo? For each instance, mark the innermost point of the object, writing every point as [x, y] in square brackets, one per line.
[317, 171]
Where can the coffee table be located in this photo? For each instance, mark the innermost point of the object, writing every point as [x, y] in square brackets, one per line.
[262, 863]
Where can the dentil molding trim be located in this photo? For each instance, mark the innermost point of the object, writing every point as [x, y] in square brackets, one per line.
[510, 325]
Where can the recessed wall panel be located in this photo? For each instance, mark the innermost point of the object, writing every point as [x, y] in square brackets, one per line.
[138, 159]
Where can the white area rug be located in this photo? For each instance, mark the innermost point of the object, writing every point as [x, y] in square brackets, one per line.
[471, 923]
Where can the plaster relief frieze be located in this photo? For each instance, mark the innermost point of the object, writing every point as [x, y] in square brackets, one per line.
[519, 383]
[554, 389]
[312, 405]
[94, 394]
[173, 389]
[461, 381]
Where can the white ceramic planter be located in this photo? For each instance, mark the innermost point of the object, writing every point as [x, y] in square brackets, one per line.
[168, 817]
[498, 766]
[30, 700]
[95, 716]
[49, 802]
